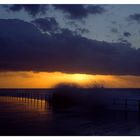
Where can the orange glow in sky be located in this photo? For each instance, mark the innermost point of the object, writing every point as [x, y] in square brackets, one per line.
[50, 79]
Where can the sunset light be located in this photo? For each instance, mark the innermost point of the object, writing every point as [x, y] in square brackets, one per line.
[50, 79]
[80, 77]
[69, 69]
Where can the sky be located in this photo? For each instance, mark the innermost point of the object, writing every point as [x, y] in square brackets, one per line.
[44, 45]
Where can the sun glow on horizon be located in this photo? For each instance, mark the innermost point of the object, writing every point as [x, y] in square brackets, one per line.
[51, 79]
[81, 77]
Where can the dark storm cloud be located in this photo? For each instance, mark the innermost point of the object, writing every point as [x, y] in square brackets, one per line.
[46, 24]
[82, 30]
[24, 48]
[50, 25]
[135, 17]
[74, 11]
[122, 40]
[31, 9]
[127, 34]
[79, 11]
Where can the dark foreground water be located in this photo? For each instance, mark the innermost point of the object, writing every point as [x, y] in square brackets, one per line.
[22, 116]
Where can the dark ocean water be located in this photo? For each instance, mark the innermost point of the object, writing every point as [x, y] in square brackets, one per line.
[24, 116]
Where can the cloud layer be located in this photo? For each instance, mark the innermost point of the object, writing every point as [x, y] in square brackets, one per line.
[31, 9]
[79, 11]
[127, 34]
[73, 11]
[47, 24]
[135, 17]
[23, 47]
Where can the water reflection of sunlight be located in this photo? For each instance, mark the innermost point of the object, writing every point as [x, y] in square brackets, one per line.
[34, 105]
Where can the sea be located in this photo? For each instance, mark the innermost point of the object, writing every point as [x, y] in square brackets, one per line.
[24, 116]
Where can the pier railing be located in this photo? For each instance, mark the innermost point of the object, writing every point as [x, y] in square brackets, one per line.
[25, 93]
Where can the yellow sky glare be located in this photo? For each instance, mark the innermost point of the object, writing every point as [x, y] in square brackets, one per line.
[50, 79]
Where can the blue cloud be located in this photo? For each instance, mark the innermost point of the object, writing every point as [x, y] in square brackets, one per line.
[24, 48]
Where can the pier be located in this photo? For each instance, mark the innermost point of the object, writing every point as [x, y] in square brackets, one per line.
[36, 94]
[111, 99]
